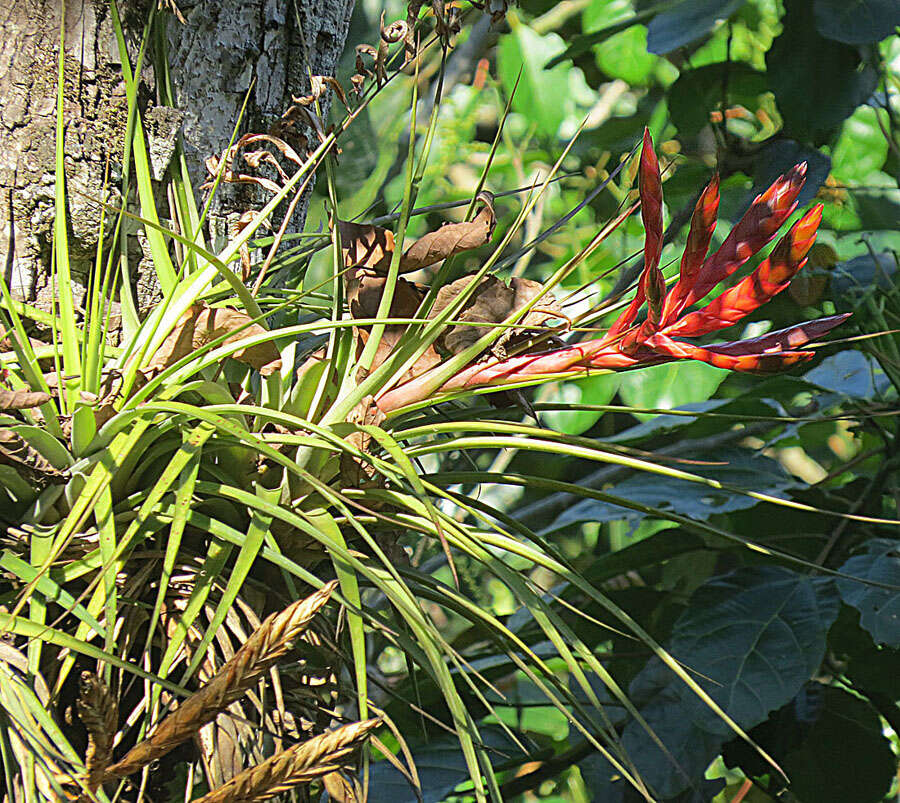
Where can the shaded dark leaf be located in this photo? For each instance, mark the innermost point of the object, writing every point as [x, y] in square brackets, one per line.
[817, 82]
[441, 767]
[698, 92]
[857, 22]
[879, 608]
[846, 733]
[858, 278]
[686, 23]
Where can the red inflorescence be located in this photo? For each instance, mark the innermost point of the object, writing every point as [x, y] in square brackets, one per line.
[659, 337]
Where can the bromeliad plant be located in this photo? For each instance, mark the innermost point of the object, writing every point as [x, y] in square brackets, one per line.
[170, 492]
[632, 343]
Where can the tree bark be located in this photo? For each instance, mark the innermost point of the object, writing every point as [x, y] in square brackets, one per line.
[220, 52]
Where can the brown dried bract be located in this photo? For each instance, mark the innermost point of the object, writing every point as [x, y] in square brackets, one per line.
[452, 238]
[22, 399]
[99, 712]
[492, 302]
[266, 645]
[357, 470]
[34, 468]
[201, 324]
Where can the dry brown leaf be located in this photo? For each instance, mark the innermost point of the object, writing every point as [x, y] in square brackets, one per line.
[22, 399]
[354, 470]
[492, 302]
[366, 245]
[364, 291]
[201, 324]
[452, 238]
[237, 226]
[34, 468]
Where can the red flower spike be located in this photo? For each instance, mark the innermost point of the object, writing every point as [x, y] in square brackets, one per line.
[756, 228]
[652, 286]
[703, 224]
[782, 340]
[654, 342]
[772, 276]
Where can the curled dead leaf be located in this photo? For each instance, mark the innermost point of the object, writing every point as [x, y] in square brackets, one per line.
[225, 163]
[318, 84]
[201, 324]
[34, 468]
[22, 399]
[452, 238]
[492, 302]
[366, 245]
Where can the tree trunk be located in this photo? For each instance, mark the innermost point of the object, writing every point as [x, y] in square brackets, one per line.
[215, 56]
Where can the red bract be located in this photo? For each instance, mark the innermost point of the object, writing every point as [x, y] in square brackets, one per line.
[657, 339]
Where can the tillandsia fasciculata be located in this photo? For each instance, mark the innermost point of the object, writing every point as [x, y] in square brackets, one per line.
[662, 335]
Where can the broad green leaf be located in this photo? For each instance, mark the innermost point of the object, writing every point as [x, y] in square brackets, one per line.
[598, 390]
[879, 608]
[669, 386]
[752, 639]
[757, 634]
[542, 94]
[857, 22]
[687, 22]
[625, 56]
[817, 82]
[850, 373]
[861, 148]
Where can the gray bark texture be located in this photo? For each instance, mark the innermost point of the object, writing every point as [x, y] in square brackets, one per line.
[222, 50]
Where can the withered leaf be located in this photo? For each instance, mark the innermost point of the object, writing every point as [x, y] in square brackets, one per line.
[254, 159]
[22, 399]
[370, 246]
[452, 238]
[34, 468]
[366, 245]
[317, 86]
[201, 324]
[492, 302]
[364, 291]
[354, 470]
